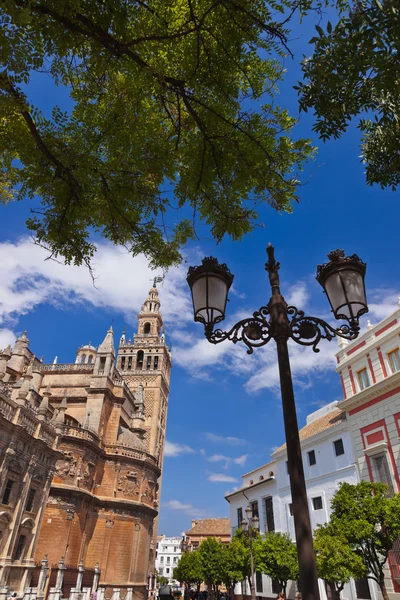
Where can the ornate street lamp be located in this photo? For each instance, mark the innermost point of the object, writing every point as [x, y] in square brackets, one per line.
[343, 281]
[250, 526]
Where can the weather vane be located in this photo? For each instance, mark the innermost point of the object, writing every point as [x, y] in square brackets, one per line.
[157, 279]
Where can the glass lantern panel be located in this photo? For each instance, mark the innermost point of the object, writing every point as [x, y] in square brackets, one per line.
[199, 292]
[334, 290]
[217, 293]
[354, 284]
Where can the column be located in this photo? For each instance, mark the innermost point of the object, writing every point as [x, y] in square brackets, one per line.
[79, 579]
[96, 578]
[44, 571]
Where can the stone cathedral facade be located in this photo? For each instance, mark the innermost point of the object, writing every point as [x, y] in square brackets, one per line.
[98, 426]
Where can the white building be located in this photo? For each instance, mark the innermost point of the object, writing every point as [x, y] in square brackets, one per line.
[328, 459]
[369, 369]
[168, 554]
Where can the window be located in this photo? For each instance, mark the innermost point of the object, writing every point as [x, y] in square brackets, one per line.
[129, 363]
[161, 571]
[275, 586]
[339, 448]
[254, 509]
[148, 365]
[167, 571]
[381, 471]
[20, 547]
[239, 516]
[102, 363]
[269, 514]
[7, 491]
[161, 559]
[123, 363]
[330, 591]
[156, 362]
[317, 503]
[83, 358]
[90, 360]
[362, 588]
[147, 328]
[363, 379]
[259, 582]
[139, 360]
[394, 360]
[31, 497]
[290, 509]
[311, 458]
[175, 548]
[168, 560]
[175, 559]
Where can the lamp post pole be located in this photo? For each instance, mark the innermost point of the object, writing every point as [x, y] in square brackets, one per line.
[343, 281]
[250, 525]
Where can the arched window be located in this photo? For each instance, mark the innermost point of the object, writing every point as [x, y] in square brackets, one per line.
[139, 360]
[83, 359]
[147, 328]
[90, 360]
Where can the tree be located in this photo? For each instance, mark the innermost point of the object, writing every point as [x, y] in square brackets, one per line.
[337, 562]
[188, 570]
[161, 580]
[276, 556]
[354, 70]
[171, 105]
[211, 560]
[370, 522]
[235, 563]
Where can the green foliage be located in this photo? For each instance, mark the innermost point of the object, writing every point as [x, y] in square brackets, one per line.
[355, 70]
[337, 562]
[211, 553]
[161, 580]
[172, 106]
[235, 561]
[363, 515]
[189, 569]
[276, 556]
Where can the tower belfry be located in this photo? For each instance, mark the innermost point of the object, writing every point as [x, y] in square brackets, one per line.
[146, 361]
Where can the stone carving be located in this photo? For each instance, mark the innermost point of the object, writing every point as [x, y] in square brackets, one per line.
[88, 471]
[129, 484]
[149, 494]
[66, 467]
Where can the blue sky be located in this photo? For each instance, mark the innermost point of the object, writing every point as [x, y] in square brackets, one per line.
[224, 408]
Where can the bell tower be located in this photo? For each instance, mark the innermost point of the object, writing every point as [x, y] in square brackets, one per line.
[146, 361]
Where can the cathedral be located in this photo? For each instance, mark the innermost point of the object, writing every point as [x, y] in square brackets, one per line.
[81, 454]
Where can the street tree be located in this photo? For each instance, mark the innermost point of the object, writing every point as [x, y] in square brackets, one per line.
[276, 556]
[189, 570]
[354, 72]
[337, 562]
[168, 119]
[235, 563]
[161, 580]
[212, 564]
[370, 521]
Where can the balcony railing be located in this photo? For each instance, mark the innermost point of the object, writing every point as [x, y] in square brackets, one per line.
[76, 368]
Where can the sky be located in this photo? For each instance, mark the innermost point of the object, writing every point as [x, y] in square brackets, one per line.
[224, 415]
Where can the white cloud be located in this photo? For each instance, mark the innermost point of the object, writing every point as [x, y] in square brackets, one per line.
[220, 439]
[221, 477]
[298, 295]
[172, 449]
[27, 279]
[381, 302]
[187, 508]
[241, 460]
[6, 337]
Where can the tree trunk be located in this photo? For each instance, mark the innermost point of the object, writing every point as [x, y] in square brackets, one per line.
[382, 585]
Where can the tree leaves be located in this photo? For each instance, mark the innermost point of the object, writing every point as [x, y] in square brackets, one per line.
[354, 71]
[168, 122]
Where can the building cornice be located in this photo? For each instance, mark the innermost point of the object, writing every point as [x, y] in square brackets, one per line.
[373, 392]
[249, 487]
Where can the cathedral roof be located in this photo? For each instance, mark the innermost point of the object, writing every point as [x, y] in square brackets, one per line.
[88, 347]
[219, 526]
[126, 437]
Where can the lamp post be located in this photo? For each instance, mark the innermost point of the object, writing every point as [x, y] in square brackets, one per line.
[250, 525]
[343, 281]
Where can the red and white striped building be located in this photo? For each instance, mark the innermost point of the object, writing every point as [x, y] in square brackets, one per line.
[369, 369]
